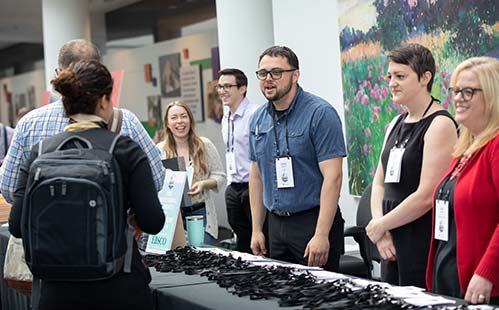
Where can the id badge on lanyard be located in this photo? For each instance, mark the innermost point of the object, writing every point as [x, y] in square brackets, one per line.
[442, 220]
[230, 160]
[284, 172]
[394, 165]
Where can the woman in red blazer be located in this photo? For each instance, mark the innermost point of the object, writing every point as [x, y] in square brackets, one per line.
[464, 251]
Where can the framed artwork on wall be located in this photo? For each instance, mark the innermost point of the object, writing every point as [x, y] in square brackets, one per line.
[192, 92]
[169, 70]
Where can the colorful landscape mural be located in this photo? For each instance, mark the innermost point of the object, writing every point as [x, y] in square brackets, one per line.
[452, 30]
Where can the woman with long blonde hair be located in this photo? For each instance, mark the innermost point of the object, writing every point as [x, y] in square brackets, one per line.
[464, 250]
[200, 156]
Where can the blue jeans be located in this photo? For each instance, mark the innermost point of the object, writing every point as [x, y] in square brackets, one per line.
[208, 239]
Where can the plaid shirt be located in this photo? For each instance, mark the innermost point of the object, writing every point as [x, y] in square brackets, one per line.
[49, 120]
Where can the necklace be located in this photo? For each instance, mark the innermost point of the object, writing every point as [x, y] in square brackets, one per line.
[460, 166]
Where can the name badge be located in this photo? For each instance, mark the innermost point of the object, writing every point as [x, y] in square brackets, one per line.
[284, 172]
[230, 160]
[442, 220]
[394, 165]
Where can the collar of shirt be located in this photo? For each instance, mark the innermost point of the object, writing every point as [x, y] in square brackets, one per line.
[240, 110]
[296, 98]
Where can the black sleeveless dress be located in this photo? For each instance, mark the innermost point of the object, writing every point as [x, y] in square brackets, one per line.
[411, 241]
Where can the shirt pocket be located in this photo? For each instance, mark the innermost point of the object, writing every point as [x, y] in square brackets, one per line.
[298, 142]
[262, 141]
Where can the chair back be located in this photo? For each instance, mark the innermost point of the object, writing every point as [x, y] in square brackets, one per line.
[364, 207]
[364, 216]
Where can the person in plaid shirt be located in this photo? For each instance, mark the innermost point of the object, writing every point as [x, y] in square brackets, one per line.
[49, 120]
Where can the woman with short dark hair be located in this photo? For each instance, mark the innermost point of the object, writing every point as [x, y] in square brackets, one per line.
[417, 148]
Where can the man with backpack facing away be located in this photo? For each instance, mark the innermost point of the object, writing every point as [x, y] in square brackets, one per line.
[49, 120]
[73, 223]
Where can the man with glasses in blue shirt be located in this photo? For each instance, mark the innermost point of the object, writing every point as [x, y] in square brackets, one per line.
[232, 86]
[296, 148]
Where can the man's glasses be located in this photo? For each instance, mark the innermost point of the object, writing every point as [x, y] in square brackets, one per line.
[467, 92]
[225, 87]
[275, 74]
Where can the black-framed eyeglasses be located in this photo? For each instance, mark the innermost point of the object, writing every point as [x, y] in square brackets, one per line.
[275, 74]
[225, 87]
[466, 92]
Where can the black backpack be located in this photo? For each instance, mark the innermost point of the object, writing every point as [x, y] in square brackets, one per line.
[74, 223]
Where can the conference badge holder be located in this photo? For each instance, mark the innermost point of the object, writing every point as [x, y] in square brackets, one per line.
[284, 172]
[442, 220]
[394, 165]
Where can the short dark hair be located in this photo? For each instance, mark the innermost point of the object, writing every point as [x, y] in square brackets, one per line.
[282, 51]
[75, 50]
[241, 79]
[82, 84]
[416, 56]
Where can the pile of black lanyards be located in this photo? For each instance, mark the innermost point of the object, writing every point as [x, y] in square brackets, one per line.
[292, 290]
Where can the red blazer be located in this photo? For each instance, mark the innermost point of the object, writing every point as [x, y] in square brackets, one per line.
[476, 212]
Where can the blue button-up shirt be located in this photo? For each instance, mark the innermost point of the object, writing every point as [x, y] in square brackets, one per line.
[314, 134]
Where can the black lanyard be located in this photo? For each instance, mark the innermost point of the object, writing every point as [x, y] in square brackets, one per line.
[442, 187]
[458, 168]
[395, 145]
[228, 135]
[276, 141]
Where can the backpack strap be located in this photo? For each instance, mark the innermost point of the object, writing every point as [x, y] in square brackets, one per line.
[127, 266]
[113, 144]
[114, 124]
[77, 140]
[36, 291]
[40, 147]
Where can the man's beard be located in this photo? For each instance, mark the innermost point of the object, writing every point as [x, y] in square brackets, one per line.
[279, 94]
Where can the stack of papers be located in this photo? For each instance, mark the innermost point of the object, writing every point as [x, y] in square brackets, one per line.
[416, 296]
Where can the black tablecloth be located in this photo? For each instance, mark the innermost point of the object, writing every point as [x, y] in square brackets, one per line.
[170, 291]
[196, 293]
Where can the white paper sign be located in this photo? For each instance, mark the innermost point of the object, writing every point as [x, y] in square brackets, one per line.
[170, 196]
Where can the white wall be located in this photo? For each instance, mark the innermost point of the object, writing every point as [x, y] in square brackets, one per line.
[135, 91]
[312, 32]
[132, 61]
[245, 31]
[20, 84]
